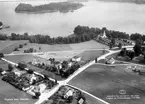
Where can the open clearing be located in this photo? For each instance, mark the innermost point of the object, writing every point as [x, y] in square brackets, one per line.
[7, 47]
[45, 47]
[104, 81]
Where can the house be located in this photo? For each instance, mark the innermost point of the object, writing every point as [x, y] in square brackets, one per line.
[110, 61]
[68, 93]
[76, 58]
[81, 101]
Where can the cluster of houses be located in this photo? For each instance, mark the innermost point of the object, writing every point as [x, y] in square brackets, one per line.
[62, 68]
[67, 95]
[27, 80]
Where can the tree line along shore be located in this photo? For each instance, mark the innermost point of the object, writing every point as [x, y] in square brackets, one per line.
[51, 7]
[81, 34]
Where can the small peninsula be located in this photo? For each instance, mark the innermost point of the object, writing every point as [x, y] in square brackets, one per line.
[51, 7]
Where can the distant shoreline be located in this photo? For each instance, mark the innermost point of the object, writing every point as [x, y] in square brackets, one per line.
[125, 1]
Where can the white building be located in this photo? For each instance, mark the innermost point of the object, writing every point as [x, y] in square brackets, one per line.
[76, 58]
[104, 35]
[110, 61]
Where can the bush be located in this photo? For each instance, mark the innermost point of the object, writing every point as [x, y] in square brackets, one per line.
[37, 94]
[1, 55]
[30, 71]
[70, 99]
[22, 66]
[20, 46]
[16, 49]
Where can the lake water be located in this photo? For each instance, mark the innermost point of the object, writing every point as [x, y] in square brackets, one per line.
[127, 17]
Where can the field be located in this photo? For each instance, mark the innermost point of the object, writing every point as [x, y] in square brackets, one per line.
[7, 47]
[88, 45]
[91, 54]
[60, 56]
[64, 47]
[11, 95]
[45, 47]
[104, 81]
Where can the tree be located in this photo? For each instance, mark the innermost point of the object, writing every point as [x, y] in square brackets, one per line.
[1, 23]
[30, 71]
[122, 52]
[96, 60]
[130, 54]
[120, 46]
[16, 49]
[137, 49]
[39, 48]
[22, 66]
[1, 55]
[113, 41]
[20, 46]
[10, 67]
[135, 36]
[110, 45]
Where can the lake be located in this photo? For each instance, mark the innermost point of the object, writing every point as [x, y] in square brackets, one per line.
[126, 17]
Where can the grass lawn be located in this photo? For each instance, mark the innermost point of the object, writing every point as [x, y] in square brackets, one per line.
[103, 81]
[88, 45]
[60, 56]
[91, 54]
[7, 47]
[63, 47]
[46, 47]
